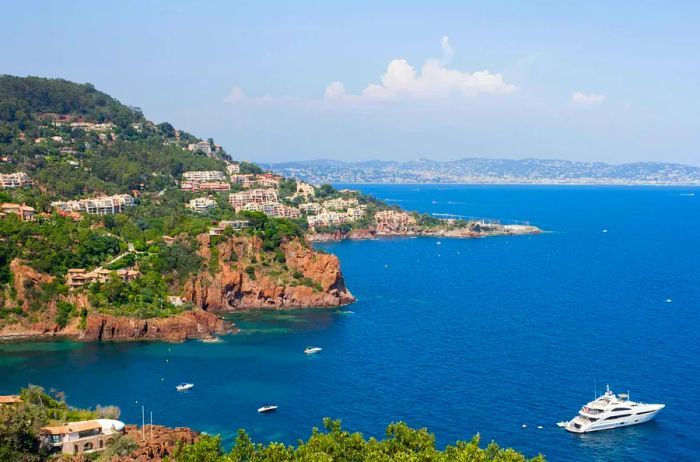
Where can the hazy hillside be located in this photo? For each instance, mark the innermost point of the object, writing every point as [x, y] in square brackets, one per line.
[479, 170]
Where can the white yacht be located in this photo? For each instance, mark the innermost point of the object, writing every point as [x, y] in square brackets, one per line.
[184, 386]
[312, 350]
[611, 411]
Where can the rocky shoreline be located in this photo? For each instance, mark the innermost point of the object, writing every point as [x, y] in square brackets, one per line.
[464, 233]
[319, 283]
[189, 325]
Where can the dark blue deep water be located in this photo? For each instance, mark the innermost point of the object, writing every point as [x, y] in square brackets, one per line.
[461, 336]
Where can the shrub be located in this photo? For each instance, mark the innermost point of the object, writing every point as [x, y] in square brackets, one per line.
[64, 312]
[250, 271]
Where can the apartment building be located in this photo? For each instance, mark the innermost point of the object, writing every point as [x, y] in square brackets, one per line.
[203, 176]
[340, 203]
[273, 209]
[105, 205]
[205, 186]
[310, 208]
[327, 218]
[14, 180]
[252, 196]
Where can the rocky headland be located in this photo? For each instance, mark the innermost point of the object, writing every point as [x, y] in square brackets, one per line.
[240, 275]
[250, 278]
[472, 230]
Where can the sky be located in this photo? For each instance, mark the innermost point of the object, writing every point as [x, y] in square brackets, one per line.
[395, 80]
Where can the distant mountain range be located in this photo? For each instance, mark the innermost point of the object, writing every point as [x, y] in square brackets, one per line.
[486, 171]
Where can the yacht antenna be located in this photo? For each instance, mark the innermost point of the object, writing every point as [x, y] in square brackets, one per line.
[595, 389]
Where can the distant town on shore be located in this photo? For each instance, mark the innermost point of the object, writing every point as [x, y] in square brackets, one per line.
[490, 171]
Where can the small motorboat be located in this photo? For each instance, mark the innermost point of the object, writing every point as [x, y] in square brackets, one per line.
[184, 386]
[267, 408]
[312, 350]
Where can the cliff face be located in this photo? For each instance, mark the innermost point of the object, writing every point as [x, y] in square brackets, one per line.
[242, 275]
[247, 277]
[24, 279]
[194, 324]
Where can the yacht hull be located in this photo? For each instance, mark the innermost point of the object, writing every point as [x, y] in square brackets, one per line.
[626, 422]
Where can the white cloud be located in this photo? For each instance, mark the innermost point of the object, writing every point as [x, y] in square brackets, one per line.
[235, 96]
[334, 90]
[401, 81]
[447, 51]
[580, 98]
[434, 81]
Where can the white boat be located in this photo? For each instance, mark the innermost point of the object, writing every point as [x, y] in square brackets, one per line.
[184, 386]
[312, 350]
[267, 408]
[611, 411]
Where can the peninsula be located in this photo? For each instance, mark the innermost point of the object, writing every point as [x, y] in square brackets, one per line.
[117, 228]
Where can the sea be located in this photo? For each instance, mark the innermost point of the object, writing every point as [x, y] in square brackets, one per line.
[501, 337]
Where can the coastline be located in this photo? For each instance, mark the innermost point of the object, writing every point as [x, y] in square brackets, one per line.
[516, 183]
[458, 233]
[319, 284]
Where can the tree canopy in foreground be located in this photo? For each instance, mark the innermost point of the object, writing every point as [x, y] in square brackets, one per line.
[402, 443]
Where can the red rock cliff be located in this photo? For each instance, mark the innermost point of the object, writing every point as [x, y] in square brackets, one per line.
[246, 278]
[188, 325]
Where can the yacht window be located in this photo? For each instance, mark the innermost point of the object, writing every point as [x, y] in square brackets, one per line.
[617, 416]
[620, 409]
[644, 412]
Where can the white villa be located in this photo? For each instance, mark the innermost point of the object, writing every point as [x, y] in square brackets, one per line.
[105, 205]
[201, 204]
[200, 146]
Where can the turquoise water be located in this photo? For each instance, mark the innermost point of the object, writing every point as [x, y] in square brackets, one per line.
[463, 336]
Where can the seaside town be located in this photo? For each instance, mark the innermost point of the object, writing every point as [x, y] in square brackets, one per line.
[241, 185]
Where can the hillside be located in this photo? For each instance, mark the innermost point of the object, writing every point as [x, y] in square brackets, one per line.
[111, 232]
[115, 227]
[490, 171]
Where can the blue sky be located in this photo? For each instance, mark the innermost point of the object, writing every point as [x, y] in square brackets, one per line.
[275, 81]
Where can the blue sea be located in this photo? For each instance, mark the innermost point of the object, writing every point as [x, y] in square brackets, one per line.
[461, 336]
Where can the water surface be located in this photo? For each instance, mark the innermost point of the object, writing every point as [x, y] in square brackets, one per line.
[461, 336]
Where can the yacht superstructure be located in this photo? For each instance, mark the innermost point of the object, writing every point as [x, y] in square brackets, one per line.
[611, 411]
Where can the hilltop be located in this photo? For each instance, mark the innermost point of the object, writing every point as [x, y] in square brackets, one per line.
[115, 227]
[490, 171]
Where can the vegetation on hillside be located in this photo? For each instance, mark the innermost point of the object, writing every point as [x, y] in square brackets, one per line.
[74, 141]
